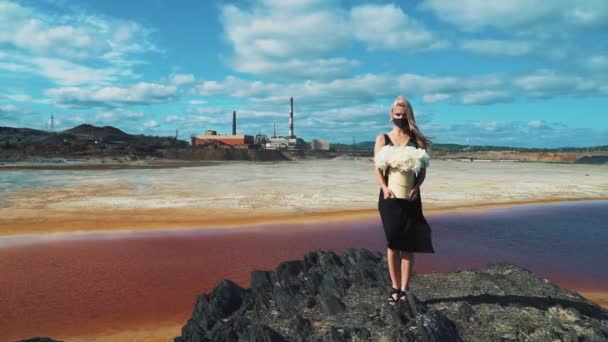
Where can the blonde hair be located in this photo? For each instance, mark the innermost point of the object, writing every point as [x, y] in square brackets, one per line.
[409, 113]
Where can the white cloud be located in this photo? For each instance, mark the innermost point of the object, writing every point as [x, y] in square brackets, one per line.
[85, 36]
[119, 114]
[104, 115]
[16, 97]
[545, 18]
[494, 47]
[304, 39]
[12, 111]
[76, 119]
[142, 93]
[151, 124]
[532, 133]
[9, 108]
[67, 73]
[172, 118]
[70, 47]
[388, 27]
[180, 79]
[432, 98]
[287, 35]
[485, 97]
[548, 83]
[536, 123]
[597, 63]
[356, 90]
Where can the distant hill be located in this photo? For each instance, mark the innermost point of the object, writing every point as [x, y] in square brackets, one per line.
[86, 129]
[89, 141]
[81, 141]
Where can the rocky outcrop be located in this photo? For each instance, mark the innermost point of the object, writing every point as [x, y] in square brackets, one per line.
[602, 159]
[327, 297]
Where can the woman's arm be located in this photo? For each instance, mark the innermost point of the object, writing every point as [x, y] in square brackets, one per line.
[422, 173]
[420, 177]
[378, 172]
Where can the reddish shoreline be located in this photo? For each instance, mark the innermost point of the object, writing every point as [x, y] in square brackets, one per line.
[17, 221]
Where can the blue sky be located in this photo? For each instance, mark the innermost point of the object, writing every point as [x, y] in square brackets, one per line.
[475, 71]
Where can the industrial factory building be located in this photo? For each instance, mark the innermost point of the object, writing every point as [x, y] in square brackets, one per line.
[290, 142]
[236, 140]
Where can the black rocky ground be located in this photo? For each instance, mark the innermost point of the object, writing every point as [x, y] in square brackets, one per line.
[326, 297]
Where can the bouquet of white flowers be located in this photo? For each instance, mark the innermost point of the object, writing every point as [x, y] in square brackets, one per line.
[403, 162]
[404, 158]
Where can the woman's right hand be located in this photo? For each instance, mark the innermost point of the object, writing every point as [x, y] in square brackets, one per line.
[387, 192]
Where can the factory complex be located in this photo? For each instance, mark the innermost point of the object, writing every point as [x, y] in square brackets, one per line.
[289, 142]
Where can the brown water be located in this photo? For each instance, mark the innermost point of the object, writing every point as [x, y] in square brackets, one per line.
[110, 282]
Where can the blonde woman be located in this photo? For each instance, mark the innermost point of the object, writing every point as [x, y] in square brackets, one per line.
[405, 228]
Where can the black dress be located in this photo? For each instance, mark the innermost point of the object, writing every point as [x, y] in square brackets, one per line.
[404, 224]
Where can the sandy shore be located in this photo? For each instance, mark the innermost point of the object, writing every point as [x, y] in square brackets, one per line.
[102, 164]
[238, 193]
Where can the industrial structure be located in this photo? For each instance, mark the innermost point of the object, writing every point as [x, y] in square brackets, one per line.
[290, 142]
[319, 145]
[236, 140]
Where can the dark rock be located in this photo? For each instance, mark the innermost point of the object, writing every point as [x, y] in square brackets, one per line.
[330, 304]
[262, 333]
[345, 334]
[285, 299]
[262, 288]
[226, 298]
[288, 271]
[39, 339]
[301, 327]
[326, 297]
[600, 159]
[332, 285]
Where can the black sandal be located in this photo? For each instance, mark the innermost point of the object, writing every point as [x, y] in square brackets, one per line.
[392, 300]
[402, 294]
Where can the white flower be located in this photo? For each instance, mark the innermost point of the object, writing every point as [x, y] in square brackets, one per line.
[403, 158]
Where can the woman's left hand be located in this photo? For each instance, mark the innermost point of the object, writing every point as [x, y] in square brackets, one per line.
[414, 193]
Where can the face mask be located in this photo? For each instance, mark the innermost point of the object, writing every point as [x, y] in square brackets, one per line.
[401, 122]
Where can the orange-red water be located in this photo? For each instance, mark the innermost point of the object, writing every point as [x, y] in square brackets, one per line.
[103, 282]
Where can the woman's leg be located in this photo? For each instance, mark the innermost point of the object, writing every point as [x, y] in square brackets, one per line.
[407, 263]
[394, 268]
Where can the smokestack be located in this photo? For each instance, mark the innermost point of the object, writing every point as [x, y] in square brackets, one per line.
[234, 122]
[291, 117]
[274, 130]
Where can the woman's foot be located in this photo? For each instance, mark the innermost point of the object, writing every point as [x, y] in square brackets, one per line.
[391, 296]
[402, 296]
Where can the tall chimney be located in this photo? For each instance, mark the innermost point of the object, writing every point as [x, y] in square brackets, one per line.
[274, 130]
[291, 117]
[234, 122]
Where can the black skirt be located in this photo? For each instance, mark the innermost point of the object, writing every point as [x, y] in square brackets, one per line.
[404, 225]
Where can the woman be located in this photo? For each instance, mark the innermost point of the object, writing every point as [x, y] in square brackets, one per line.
[405, 227]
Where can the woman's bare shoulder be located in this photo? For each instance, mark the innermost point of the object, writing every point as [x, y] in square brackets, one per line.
[381, 139]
